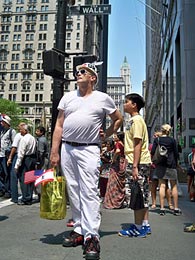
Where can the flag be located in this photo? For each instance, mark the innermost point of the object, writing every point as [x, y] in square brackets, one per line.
[47, 176]
[31, 176]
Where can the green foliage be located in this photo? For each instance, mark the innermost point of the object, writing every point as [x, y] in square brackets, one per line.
[13, 110]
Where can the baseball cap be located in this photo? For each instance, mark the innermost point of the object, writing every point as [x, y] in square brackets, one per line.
[90, 67]
[6, 119]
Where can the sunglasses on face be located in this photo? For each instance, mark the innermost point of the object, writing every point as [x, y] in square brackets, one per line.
[82, 71]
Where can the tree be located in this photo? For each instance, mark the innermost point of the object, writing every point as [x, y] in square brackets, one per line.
[13, 110]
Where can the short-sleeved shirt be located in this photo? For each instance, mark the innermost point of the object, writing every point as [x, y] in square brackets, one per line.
[137, 129]
[16, 140]
[84, 115]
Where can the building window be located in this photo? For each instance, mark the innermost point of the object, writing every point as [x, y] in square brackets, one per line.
[39, 75]
[27, 76]
[2, 66]
[44, 17]
[25, 97]
[44, 8]
[17, 37]
[14, 66]
[15, 56]
[13, 76]
[13, 86]
[3, 56]
[16, 47]
[4, 38]
[18, 18]
[78, 26]
[18, 28]
[39, 86]
[26, 86]
[68, 45]
[77, 46]
[12, 97]
[29, 37]
[19, 9]
[43, 27]
[38, 97]
[42, 36]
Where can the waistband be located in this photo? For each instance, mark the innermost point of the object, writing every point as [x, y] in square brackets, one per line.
[79, 144]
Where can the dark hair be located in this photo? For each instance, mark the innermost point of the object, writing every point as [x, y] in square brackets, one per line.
[41, 129]
[120, 136]
[136, 98]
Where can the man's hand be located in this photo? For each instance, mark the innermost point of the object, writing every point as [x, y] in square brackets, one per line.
[54, 159]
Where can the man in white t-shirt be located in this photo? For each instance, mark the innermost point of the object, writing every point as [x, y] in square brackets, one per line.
[79, 127]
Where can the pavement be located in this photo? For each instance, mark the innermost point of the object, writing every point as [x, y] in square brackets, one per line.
[25, 236]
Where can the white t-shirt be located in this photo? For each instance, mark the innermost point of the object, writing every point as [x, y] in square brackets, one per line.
[84, 115]
[16, 140]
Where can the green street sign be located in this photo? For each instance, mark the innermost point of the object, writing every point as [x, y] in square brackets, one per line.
[90, 10]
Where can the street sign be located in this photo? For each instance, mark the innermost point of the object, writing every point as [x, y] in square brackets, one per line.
[90, 10]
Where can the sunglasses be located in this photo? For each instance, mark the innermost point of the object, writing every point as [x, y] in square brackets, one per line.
[82, 71]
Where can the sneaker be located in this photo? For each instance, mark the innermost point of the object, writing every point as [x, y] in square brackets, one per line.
[73, 240]
[190, 229]
[91, 248]
[162, 212]
[147, 229]
[177, 212]
[70, 223]
[133, 231]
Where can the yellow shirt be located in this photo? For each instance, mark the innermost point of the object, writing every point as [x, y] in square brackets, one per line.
[137, 129]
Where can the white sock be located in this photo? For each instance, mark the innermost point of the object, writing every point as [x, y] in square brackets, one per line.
[145, 223]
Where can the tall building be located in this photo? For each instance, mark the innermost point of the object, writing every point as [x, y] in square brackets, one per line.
[27, 28]
[170, 66]
[118, 87]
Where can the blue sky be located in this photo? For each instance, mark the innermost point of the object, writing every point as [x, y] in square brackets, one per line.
[127, 38]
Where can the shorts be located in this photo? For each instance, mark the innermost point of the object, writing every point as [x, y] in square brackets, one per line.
[143, 180]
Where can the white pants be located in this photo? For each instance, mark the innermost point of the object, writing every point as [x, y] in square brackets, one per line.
[80, 167]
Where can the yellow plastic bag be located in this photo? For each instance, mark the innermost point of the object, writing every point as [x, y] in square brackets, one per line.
[53, 200]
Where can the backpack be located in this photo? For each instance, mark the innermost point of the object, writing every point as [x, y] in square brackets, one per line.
[8, 150]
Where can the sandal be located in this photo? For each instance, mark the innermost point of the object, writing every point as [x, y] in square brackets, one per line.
[190, 229]
[171, 207]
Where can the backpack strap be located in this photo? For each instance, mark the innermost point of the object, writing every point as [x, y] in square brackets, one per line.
[10, 134]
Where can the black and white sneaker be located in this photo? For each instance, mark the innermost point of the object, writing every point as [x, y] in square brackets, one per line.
[91, 248]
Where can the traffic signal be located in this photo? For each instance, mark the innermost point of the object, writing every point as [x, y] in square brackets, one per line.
[53, 63]
[78, 60]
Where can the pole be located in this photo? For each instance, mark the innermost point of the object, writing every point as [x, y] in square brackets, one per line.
[58, 86]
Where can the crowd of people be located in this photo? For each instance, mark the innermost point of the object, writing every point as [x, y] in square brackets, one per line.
[20, 152]
[97, 162]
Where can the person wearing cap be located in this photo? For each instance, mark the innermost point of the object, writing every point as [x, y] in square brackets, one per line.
[6, 139]
[166, 170]
[79, 127]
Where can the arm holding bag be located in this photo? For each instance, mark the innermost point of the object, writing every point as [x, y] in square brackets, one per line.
[53, 201]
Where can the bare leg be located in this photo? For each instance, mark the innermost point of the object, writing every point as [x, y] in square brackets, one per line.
[140, 215]
[154, 185]
[174, 192]
[162, 184]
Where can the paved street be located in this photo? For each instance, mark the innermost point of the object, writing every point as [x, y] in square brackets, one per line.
[24, 236]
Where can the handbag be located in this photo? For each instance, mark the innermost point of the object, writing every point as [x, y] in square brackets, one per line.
[136, 199]
[123, 165]
[53, 200]
[160, 155]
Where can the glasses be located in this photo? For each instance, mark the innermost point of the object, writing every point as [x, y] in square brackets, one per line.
[82, 71]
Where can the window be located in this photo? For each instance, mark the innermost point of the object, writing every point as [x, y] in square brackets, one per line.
[25, 97]
[17, 28]
[77, 45]
[26, 86]
[43, 27]
[17, 37]
[13, 76]
[78, 26]
[38, 97]
[13, 86]
[44, 8]
[41, 46]
[42, 36]
[68, 46]
[27, 66]
[39, 86]
[39, 56]
[3, 55]
[44, 17]
[15, 56]
[29, 46]
[39, 75]
[14, 66]
[19, 9]
[2, 66]
[27, 76]
[30, 27]
[16, 47]
[28, 55]
[12, 97]
[18, 18]
[4, 38]
[29, 37]
[5, 28]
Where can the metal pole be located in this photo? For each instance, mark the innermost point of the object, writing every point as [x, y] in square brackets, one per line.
[58, 84]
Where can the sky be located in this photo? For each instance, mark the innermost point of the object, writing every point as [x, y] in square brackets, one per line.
[126, 37]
